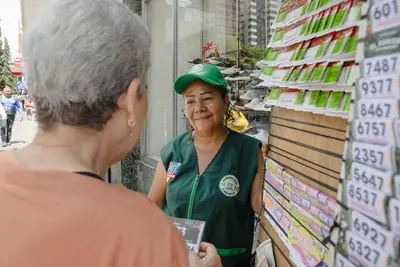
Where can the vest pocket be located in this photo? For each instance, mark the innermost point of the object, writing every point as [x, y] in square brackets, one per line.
[230, 252]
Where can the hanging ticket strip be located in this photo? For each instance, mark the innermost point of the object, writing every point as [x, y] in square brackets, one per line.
[300, 214]
[369, 233]
[302, 173]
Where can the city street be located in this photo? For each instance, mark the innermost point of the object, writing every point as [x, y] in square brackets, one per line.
[23, 133]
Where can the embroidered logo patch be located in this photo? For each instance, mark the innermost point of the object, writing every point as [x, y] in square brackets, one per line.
[229, 186]
[196, 68]
[173, 169]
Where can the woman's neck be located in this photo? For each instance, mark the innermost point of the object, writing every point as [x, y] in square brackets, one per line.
[212, 137]
[65, 149]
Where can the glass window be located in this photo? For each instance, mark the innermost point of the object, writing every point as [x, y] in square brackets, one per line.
[212, 31]
[159, 77]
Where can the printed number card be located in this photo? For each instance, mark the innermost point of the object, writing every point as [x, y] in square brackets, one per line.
[374, 131]
[367, 201]
[372, 232]
[365, 252]
[382, 65]
[385, 15]
[394, 215]
[380, 87]
[377, 156]
[378, 109]
[372, 178]
[372, 185]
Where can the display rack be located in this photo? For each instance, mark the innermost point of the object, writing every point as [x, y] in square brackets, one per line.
[369, 222]
[308, 149]
[312, 72]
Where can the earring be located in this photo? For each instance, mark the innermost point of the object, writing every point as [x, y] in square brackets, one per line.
[131, 124]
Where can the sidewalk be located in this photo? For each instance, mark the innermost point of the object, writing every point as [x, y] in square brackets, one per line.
[23, 133]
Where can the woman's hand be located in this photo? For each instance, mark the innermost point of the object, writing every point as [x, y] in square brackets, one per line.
[208, 257]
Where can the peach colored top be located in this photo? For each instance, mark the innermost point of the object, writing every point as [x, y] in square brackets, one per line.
[61, 219]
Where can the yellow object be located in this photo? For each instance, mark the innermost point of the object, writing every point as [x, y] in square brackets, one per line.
[238, 122]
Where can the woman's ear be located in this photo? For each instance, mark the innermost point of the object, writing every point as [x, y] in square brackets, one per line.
[128, 99]
[227, 101]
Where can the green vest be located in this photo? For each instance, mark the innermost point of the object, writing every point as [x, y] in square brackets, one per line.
[220, 196]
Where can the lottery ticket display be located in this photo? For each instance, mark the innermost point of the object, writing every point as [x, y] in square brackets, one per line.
[370, 217]
[311, 60]
[299, 213]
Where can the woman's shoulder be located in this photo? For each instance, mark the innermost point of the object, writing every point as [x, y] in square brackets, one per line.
[177, 143]
[244, 139]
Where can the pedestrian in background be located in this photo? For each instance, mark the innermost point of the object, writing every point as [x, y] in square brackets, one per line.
[11, 106]
[3, 117]
[23, 99]
[28, 107]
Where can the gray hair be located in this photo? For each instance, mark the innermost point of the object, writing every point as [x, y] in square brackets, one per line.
[80, 56]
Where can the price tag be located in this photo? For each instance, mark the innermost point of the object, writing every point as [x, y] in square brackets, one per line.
[396, 182]
[381, 157]
[385, 15]
[366, 253]
[379, 87]
[382, 65]
[394, 215]
[374, 131]
[341, 261]
[372, 232]
[370, 202]
[372, 178]
[378, 109]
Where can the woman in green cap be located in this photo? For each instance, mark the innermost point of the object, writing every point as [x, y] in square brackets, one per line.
[211, 173]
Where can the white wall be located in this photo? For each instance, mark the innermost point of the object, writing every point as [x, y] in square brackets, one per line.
[30, 9]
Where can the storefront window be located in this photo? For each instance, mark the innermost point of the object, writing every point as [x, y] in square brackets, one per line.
[159, 77]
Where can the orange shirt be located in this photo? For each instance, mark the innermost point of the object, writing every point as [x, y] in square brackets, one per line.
[54, 218]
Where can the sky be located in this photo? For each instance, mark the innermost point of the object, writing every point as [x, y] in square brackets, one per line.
[10, 15]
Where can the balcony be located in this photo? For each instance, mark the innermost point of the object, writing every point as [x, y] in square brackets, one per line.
[252, 16]
[252, 29]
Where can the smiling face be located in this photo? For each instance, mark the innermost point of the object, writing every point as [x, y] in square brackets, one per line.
[204, 106]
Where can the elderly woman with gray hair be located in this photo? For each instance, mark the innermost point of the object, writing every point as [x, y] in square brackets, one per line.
[84, 64]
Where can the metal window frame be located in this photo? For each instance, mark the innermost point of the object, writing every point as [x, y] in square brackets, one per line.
[145, 157]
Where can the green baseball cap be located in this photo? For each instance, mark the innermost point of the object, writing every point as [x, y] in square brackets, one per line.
[206, 72]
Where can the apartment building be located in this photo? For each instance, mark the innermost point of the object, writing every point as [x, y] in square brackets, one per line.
[256, 19]
[271, 9]
[248, 22]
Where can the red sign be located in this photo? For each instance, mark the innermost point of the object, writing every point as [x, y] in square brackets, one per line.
[19, 61]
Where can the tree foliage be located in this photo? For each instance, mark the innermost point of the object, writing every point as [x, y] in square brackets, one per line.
[7, 52]
[248, 55]
[252, 54]
[134, 5]
[5, 71]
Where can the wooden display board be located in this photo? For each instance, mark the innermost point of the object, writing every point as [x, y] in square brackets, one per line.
[310, 148]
